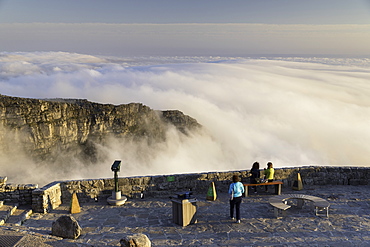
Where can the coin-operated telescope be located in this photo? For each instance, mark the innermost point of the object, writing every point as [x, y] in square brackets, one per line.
[115, 168]
[116, 198]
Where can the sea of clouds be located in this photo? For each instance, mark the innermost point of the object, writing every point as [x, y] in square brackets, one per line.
[293, 111]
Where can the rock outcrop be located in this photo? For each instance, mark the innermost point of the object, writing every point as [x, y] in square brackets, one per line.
[42, 128]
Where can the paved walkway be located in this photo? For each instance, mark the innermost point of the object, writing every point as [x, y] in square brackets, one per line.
[103, 225]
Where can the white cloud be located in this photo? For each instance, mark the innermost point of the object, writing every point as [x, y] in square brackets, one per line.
[288, 112]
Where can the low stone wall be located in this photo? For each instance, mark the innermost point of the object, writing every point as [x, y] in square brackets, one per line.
[20, 194]
[167, 185]
[328, 175]
[89, 190]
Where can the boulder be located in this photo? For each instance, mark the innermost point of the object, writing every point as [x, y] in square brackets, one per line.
[66, 227]
[137, 240]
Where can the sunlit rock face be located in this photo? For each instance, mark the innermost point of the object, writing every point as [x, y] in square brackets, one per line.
[44, 129]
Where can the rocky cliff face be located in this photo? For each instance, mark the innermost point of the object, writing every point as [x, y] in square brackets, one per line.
[45, 128]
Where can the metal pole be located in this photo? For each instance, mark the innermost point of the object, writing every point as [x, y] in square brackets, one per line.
[116, 181]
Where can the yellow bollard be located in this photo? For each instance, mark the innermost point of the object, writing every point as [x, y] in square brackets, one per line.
[297, 184]
[75, 205]
[211, 194]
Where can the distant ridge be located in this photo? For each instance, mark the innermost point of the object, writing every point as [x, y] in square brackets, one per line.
[44, 129]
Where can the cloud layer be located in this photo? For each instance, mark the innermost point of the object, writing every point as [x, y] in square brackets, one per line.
[291, 112]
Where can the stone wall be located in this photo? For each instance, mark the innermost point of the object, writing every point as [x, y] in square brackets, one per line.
[16, 193]
[167, 185]
[90, 190]
[47, 197]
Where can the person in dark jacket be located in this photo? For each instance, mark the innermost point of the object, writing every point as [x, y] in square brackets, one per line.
[255, 175]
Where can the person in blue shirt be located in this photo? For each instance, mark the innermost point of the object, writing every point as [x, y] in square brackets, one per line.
[236, 191]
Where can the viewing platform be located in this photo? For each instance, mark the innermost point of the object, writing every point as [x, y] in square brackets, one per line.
[149, 210]
[105, 225]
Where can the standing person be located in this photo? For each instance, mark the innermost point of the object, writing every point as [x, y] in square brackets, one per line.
[255, 175]
[236, 191]
[269, 173]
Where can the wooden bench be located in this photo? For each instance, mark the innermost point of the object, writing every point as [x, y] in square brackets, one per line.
[280, 203]
[278, 185]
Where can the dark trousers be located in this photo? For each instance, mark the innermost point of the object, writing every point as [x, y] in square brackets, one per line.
[270, 180]
[253, 181]
[235, 203]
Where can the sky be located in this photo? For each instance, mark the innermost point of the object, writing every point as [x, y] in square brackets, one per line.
[190, 11]
[171, 28]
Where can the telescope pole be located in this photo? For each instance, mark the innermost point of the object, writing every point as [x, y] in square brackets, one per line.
[115, 181]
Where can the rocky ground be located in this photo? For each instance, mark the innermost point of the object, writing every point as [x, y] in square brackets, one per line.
[103, 225]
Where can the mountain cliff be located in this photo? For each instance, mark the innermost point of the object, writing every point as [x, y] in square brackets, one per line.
[45, 128]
